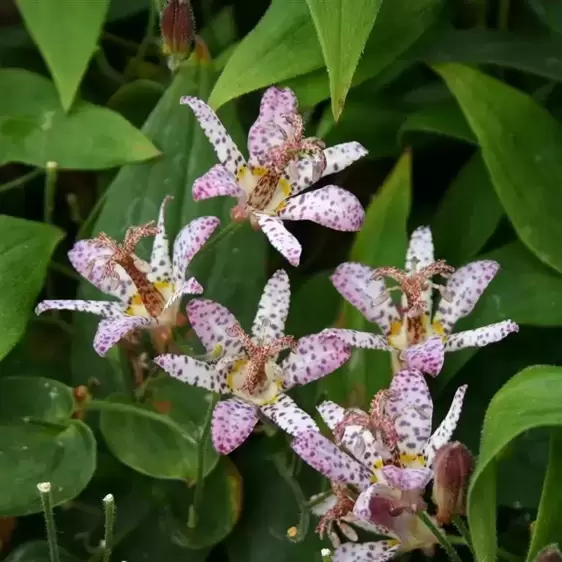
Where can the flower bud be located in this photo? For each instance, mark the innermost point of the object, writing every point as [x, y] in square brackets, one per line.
[452, 468]
[550, 553]
[177, 25]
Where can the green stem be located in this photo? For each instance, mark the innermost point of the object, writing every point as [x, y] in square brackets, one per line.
[45, 491]
[119, 41]
[22, 180]
[109, 508]
[145, 44]
[106, 69]
[85, 229]
[461, 527]
[199, 483]
[443, 541]
[502, 553]
[101, 405]
[503, 15]
[55, 321]
[50, 189]
[218, 238]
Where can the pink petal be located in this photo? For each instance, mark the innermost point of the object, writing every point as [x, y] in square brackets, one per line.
[407, 478]
[87, 257]
[217, 182]
[464, 288]
[341, 156]
[233, 422]
[480, 337]
[189, 287]
[189, 241]
[160, 263]
[445, 430]
[363, 445]
[374, 505]
[330, 206]
[211, 322]
[427, 357]
[288, 416]
[280, 238]
[194, 372]
[277, 102]
[314, 357]
[225, 148]
[306, 172]
[331, 413]
[379, 551]
[354, 282]
[322, 455]
[101, 308]
[355, 338]
[273, 308]
[420, 250]
[111, 330]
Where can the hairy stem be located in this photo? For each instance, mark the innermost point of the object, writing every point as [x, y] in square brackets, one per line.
[441, 537]
[45, 491]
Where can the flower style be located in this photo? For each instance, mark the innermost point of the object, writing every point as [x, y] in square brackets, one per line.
[412, 323]
[149, 293]
[391, 454]
[282, 163]
[246, 366]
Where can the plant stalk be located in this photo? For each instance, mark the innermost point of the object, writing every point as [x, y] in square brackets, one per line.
[45, 492]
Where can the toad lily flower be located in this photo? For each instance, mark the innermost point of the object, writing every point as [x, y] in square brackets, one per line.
[282, 163]
[412, 322]
[149, 293]
[246, 366]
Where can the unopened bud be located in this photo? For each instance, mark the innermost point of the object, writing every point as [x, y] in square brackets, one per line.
[550, 553]
[326, 554]
[177, 25]
[452, 468]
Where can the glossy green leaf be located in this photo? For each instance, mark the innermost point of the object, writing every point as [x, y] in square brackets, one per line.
[524, 290]
[233, 272]
[37, 551]
[521, 144]
[40, 443]
[534, 395]
[66, 34]
[287, 45]
[169, 444]
[383, 240]
[343, 29]
[457, 236]
[398, 26]
[25, 253]
[549, 12]
[35, 130]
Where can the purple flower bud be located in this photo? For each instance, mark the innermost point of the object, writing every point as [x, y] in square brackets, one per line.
[452, 468]
[177, 25]
[550, 553]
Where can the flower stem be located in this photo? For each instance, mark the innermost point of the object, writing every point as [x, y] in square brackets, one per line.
[45, 491]
[219, 237]
[461, 527]
[22, 180]
[109, 509]
[49, 194]
[443, 541]
[199, 483]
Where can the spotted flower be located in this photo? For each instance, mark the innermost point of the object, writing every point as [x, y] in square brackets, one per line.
[246, 366]
[281, 165]
[148, 294]
[413, 322]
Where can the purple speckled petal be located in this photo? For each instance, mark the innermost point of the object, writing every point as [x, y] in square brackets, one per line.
[233, 422]
[379, 551]
[288, 416]
[314, 357]
[106, 309]
[354, 282]
[330, 206]
[273, 308]
[160, 263]
[481, 337]
[331, 413]
[407, 478]
[217, 182]
[420, 254]
[355, 338]
[427, 357]
[280, 238]
[111, 330]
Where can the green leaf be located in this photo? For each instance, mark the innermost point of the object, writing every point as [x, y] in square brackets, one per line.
[521, 144]
[170, 431]
[549, 12]
[25, 253]
[233, 271]
[534, 395]
[66, 34]
[287, 45]
[383, 240]
[457, 236]
[40, 443]
[35, 130]
[343, 29]
[37, 551]
[398, 26]
[524, 290]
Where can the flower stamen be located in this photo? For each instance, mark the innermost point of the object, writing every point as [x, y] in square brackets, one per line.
[344, 505]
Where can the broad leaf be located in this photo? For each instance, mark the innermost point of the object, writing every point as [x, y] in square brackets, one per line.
[287, 45]
[25, 253]
[40, 443]
[66, 34]
[233, 271]
[35, 130]
[535, 395]
[549, 12]
[343, 29]
[521, 144]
